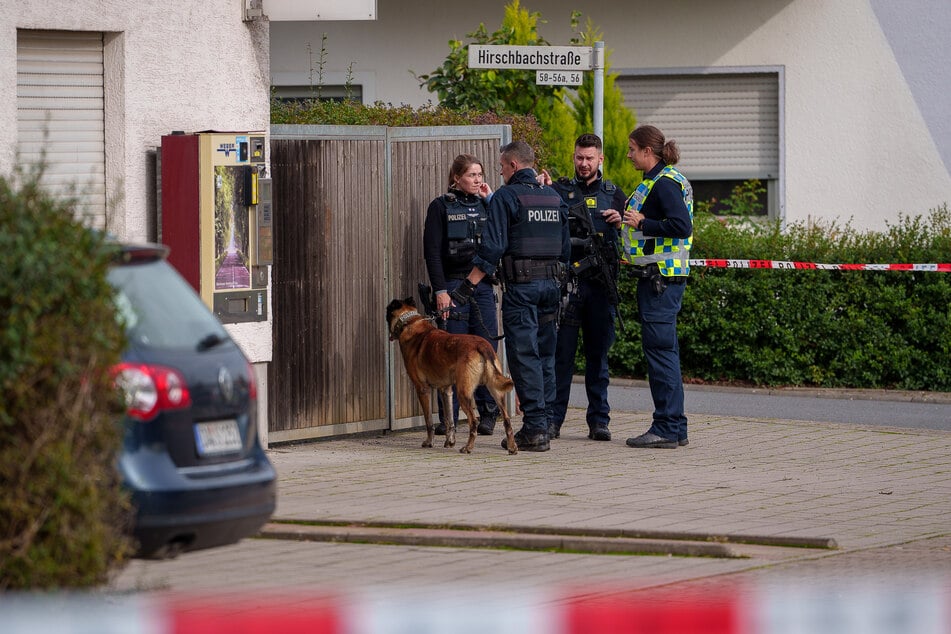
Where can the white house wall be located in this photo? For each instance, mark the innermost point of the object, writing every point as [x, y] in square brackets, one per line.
[853, 132]
[174, 65]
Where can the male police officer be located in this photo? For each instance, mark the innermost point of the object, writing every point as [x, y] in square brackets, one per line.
[527, 229]
[594, 221]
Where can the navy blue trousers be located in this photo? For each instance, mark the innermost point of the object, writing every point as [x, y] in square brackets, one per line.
[658, 315]
[528, 319]
[590, 314]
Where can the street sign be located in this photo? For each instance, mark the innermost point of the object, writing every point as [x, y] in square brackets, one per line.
[558, 77]
[530, 57]
[572, 59]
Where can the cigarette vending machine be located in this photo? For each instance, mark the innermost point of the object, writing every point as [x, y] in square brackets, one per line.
[215, 215]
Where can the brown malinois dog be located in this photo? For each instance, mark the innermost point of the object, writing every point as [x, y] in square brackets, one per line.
[437, 359]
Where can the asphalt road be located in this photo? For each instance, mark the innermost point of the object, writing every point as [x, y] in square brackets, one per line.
[912, 410]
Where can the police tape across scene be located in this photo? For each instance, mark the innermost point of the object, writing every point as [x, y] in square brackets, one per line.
[944, 267]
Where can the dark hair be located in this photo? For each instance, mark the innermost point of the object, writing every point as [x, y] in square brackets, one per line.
[649, 136]
[521, 151]
[589, 140]
[459, 166]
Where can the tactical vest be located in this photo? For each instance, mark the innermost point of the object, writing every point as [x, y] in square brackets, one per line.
[465, 222]
[537, 231]
[570, 191]
[671, 255]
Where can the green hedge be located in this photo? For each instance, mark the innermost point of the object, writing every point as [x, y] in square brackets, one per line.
[63, 514]
[314, 112]
[855, 329]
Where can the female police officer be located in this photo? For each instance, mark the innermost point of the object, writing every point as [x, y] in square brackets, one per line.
[453, 230]
[659, 226]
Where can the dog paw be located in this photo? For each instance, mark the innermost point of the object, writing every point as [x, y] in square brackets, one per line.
[427, 444]
[450, 444]
[512, 452]
[465, 450]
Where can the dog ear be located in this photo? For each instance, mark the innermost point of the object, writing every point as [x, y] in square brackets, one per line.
[409, 301]
[392, 307]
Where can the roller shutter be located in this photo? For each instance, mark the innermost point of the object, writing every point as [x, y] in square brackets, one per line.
[726, 125]
[60, 111]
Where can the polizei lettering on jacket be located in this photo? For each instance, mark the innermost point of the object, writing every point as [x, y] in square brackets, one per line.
[544, 215]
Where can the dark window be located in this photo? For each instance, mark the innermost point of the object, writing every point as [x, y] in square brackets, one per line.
[726, 197]
[290, 94]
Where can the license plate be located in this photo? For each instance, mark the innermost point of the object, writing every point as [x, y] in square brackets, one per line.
[218, 437]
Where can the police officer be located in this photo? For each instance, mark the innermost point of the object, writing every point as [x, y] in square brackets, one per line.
[591, 305]
[658, 229]
[454, 225]
[526, 239]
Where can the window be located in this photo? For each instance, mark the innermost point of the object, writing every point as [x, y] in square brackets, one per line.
[727, 126]
[324, 93]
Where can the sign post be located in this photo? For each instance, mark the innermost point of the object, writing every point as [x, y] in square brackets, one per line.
[553, 66]
[597, 117]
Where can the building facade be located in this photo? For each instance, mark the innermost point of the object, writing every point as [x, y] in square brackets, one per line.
[836, 106]
[93, 85]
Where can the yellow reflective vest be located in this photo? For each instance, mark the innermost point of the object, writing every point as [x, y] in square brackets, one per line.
[672, 255]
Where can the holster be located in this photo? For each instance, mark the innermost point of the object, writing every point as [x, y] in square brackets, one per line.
[645, 271]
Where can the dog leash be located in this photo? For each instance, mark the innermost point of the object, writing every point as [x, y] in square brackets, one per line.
[478, 312]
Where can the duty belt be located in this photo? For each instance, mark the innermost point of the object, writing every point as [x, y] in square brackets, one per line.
[521, 270]
[649, 271]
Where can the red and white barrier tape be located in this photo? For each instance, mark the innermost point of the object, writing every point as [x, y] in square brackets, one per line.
[816, 608]
[944, 267]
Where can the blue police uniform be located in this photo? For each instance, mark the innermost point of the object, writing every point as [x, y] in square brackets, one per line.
[453, 228]
[526, 239]
[659, 250]
[589, 308]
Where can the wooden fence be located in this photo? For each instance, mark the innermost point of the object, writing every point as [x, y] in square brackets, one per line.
[349, 208]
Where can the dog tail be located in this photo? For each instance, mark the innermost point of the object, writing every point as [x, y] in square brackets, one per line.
[494, 370]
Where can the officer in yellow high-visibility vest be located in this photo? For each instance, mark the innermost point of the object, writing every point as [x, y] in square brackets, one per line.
[658, 225]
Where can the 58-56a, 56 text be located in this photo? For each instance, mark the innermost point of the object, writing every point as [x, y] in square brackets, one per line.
[558, 78]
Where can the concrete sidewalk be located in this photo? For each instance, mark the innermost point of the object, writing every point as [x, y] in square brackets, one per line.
[746, 499]
[740, 481]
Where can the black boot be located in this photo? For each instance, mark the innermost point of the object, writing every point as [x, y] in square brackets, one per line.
[599, 432]
[486, 425]
[538, 442]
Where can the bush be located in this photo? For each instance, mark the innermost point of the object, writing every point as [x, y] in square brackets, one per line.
[62, 512]
[315, 112]
[855, 329]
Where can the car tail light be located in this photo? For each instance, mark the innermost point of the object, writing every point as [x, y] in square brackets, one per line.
[150, 389]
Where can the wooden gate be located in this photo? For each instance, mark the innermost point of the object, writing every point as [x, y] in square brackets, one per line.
[349, 207]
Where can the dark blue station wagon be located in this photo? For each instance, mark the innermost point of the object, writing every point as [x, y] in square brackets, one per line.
[191, 456]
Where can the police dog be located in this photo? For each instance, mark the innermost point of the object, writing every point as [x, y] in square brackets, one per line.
[437, 359]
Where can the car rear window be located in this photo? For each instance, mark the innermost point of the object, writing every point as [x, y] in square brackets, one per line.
[159, 309]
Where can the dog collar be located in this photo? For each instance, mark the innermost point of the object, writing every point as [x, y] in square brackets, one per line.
[401, 322]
